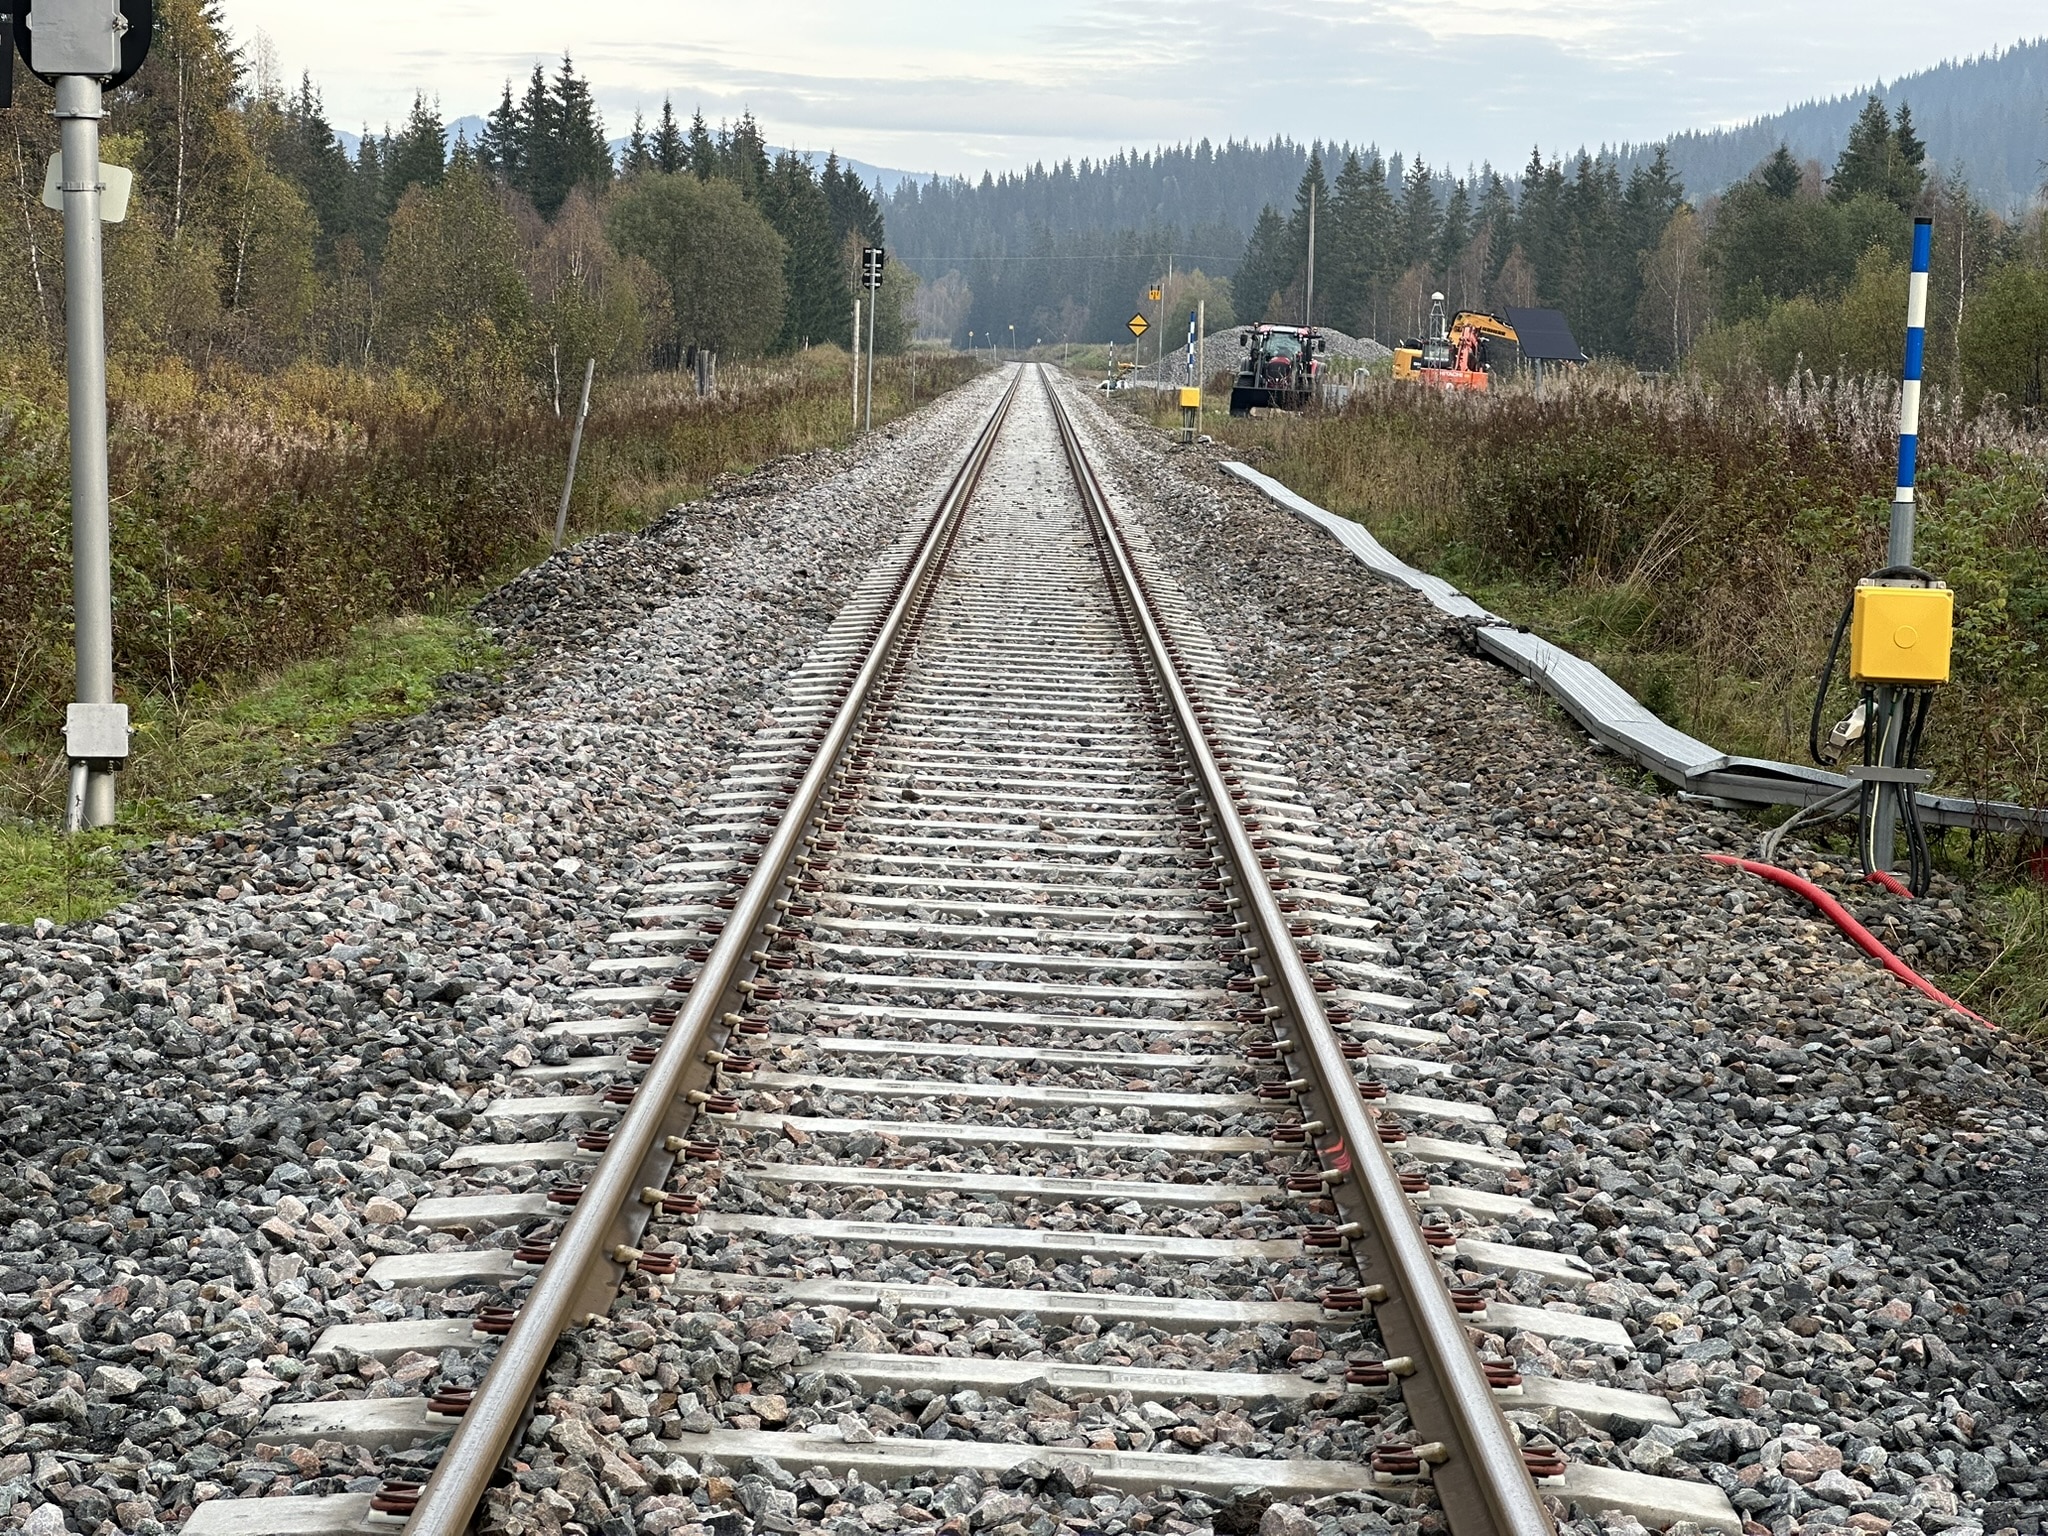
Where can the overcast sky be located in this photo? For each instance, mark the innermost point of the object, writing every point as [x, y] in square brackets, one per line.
[963, 85]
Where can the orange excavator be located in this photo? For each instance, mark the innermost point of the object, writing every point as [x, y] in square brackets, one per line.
[1460, 353]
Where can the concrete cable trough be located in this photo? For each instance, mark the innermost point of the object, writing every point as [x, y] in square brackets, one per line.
[1606, 710]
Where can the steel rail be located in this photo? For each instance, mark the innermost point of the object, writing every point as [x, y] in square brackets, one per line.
[1475, 1456]
[638, 1157]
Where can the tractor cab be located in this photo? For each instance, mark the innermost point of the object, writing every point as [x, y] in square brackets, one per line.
[1279, 369]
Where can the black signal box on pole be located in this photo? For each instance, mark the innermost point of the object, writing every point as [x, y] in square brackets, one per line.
[138, 31]
[872, 260]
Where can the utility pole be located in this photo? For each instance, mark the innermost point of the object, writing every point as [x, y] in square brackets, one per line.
[1156, 294]
[1308, 303]
[1160, 318]
[81, 47]
[856, 365]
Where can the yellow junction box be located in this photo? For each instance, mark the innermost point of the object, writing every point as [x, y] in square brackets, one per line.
[1190, 399]
[1901, 634]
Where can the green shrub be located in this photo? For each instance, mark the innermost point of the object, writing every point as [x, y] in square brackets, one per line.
[260, 521]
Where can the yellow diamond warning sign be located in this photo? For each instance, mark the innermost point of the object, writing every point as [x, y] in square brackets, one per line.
[1139, 325]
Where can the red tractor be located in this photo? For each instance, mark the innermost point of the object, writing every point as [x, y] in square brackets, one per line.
[1280, 367]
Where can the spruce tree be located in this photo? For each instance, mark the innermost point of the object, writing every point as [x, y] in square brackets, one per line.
[1314, 191]
[1421, 219]
[1654, 194]
[500, 151]
[1865, 165]
[854, 209]
[584, 159]
[820, 303]
[1496, 222]
[703, 150]
[417, 156]
[1909, 161]
[743, 156]
[1541, 224]
[1264, 269]
[1599, 281]
[308, 153]
[533, 161]
[367, 213]
[1455, 232]
[639, 149]
[671, 154]
[1379, 222]
[1346, 272]
[1780, 175]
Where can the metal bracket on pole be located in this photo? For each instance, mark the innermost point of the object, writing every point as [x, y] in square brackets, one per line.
[96, 741]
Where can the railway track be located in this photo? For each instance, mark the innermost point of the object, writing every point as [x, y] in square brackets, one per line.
[1001, 1092]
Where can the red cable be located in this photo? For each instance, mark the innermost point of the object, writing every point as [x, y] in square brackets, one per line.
[1845, 920]
[1890, 882]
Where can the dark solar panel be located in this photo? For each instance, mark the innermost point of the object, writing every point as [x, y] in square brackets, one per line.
[1545, 335]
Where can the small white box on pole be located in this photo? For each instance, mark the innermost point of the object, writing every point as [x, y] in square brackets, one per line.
[76, 37]
[116, 182]
[96, 732]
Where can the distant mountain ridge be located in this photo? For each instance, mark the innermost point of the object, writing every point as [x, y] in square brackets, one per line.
[1988, 115]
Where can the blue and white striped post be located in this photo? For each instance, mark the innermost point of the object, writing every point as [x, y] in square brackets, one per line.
[1881, 809]
[1900, 551]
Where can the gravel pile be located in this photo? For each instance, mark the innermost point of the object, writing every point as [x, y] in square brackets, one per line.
[1814, 1199]
[219, 1102]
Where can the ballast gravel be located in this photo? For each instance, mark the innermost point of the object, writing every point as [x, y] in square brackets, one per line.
[217, 1104]
[1812, 1200]
[1813, 1197]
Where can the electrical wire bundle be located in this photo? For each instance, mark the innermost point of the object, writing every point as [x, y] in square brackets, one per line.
[1886, 727]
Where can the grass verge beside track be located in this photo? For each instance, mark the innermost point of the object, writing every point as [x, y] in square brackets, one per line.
[296, 556]
[1697, 547]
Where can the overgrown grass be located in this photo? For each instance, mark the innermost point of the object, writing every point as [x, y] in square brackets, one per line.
[1699, 547]
[292, 552]
[63, 879]
[244, 736]
[204, 756]
[2014, 986]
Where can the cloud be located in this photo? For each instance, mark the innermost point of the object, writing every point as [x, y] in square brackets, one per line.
[956, 87]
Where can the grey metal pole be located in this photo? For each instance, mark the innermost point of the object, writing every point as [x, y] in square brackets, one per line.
[575, 451]
[1308, 301]
[85, 339]
[874, 303]
[856, 364]
[1889, 724]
